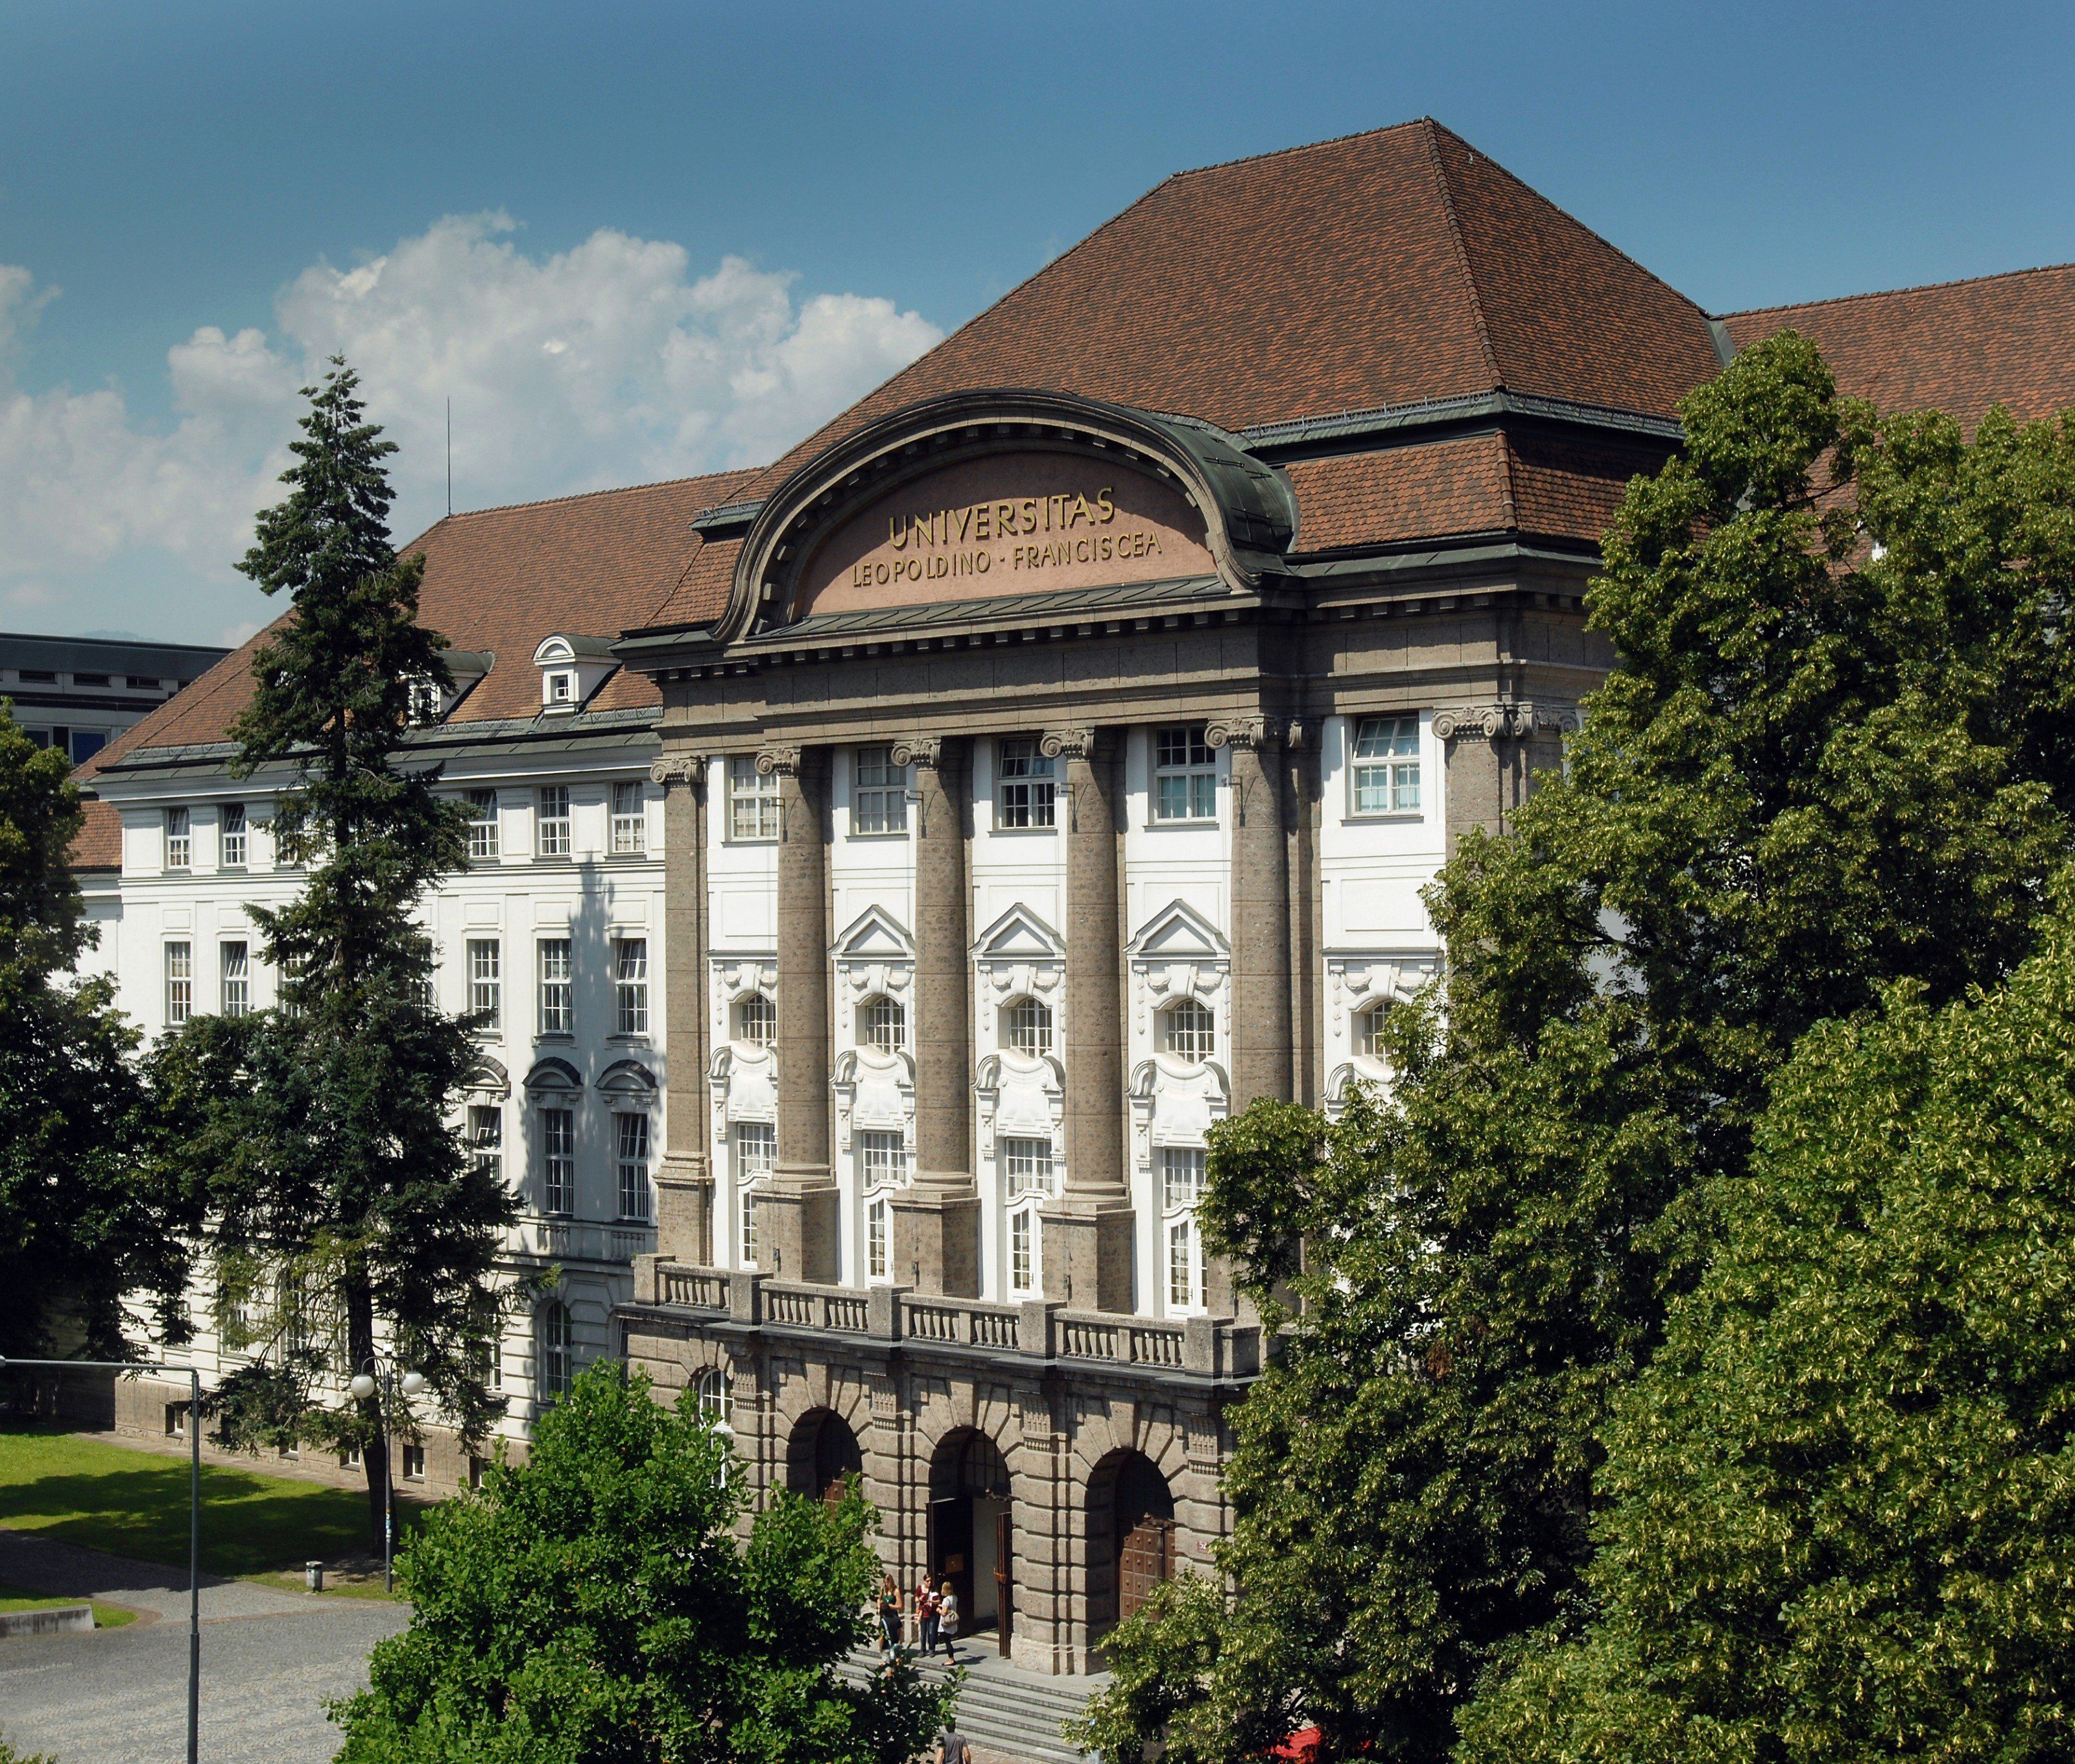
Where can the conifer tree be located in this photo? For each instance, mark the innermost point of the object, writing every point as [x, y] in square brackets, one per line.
[1834, 756]
[345, 1215]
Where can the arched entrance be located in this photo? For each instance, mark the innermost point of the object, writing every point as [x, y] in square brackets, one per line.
[1131, 1538]
[971, 1531]
[822, 1456]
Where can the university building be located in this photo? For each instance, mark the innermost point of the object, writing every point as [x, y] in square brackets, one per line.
[1033, 767]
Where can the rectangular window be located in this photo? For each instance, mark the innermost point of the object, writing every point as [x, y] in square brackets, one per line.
[1022, 784]
[882, 1158]
[631, 1133]
[476, 1467]
[180, 843]
[1181, 1177]
[486, 985]
[1184, 1277]
[236, 981]
[85, 743]
[1386, 765]
[630, 980]
[414, 1463]
[1021, 1263]
[180, 983]
[879, 800]
[752, 800]
[486, 1138]
[878, 1257]
[230, 836]
[755, 1151]
[1185, 777]
[552, 834]
[557, 1017]
[558, 1160]
[1027, 1165]
[484, 844]
[630, 821]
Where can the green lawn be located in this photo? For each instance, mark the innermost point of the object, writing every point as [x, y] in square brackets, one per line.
[106, 1616]
[135, 1503]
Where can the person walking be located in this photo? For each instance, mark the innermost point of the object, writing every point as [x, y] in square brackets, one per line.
[947, 1620]
[890, 1613]
[925, 1615]
[951, 1748]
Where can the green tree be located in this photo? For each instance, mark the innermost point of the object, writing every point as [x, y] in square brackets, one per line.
[79, 1225]
[344, 1213]
[598, 1604]
[1842, 1497]
[1834, 756]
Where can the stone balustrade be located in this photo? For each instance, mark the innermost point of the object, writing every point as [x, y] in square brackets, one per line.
[1211, 1347]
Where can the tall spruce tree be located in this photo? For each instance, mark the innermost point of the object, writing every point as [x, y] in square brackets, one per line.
[1834, 756]
[80, 1222]
[345, 1215]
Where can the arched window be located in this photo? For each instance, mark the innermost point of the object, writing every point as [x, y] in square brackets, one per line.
[717, 1400]
[1369, 1031]
[1188, 1031]
[756, 1021]
[1026, 1026]
[882, 1024]
[552, 1345]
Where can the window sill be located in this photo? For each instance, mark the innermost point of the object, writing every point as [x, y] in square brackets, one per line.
[630, 1038]
[765, 838]
[1397, 818]
[1023, 833]
[555, 1035]
[1178, 824]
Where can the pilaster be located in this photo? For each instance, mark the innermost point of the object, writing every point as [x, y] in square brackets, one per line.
[1263, 1053]
[684, 1184]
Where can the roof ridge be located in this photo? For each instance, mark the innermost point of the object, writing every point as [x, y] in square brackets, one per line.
[610, 490]
[1592, 232]
[1301, 146]
[1462, 252]
[1889, 293]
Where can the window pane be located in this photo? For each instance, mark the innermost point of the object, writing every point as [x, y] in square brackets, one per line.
[486, 1138]
[1024, 784]
[879, 800]
[231, 835]
[630, 956]
[882, 1158]
[1189, 1031]
[558, 1016]
[236, 983]
[482, 832]
[1181, 1177]
[1027, 1166]
[180, 850]
[877, 1257]
[1185, 777]
[756, 1021]
[756, 1150]
[1030, 1027]
[883, 1025]
[180, 983]
[485, 980]
[630, 821]
[554, 821]
[1182, 1287]
[632, 1132]
[1021, 1262]
[752, 800]
[559, 1159]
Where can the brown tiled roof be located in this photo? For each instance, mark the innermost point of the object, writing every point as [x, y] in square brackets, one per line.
[1532, 483]
[99, 844]
[1959, 347]
[501, 580]
[1377, 270]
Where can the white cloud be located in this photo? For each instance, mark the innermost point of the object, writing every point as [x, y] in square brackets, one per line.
[608, 363]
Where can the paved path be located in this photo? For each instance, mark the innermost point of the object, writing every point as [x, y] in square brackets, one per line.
[119, 1696]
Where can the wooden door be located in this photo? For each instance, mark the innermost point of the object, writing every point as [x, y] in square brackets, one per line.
[1146, 1559]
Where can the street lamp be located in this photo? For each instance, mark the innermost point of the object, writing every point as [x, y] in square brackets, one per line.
[360, 1387]
[194, 1511]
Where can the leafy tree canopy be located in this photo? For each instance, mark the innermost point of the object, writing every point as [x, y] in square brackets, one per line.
[79, 1226]
[344, 1210]
[1834, 756]
[1842, 1497]
[598, 1604]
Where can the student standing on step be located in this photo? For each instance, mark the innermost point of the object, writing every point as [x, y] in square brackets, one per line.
[947, 1620]
[890, 1613]
[925, 1615]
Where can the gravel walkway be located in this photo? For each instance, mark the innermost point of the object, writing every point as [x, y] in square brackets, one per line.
[119, 1696]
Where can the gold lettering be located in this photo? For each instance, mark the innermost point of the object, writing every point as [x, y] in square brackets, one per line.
[1030, 515]
[1108, 507]
[979, 521]
[1004, 520]
[965, 520]
[1081, 512]
[983, 559]
[1105, 548]
[896, 533]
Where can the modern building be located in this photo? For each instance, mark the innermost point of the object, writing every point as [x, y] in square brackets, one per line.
[77, 694]
[1044, 760]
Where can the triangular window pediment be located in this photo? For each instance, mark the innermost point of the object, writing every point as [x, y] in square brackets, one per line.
[876, 936]
[1178, 933]
[1019, 935]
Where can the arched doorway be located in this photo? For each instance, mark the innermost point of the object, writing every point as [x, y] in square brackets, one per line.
[1131, 1538]
[971, 1531]
[822, 1456]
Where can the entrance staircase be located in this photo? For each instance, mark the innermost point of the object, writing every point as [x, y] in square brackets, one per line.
[1005, 1714]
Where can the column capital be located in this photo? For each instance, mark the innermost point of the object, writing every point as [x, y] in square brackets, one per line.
[1253, 732]
[678, 768]
[783, 762]
[1071, 743]
[1511, 720]
[926, 751]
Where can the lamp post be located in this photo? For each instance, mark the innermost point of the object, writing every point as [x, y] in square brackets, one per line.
[363, 1385]
[194, 1511]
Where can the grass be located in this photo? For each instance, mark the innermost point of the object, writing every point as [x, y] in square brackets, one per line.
[106, 1616]
[135, 1503]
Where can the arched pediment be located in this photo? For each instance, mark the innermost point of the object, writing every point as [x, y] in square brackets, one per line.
[628, 1078]
[989, 494]
[1178, 933]
[488, 1077]
[554, 1074]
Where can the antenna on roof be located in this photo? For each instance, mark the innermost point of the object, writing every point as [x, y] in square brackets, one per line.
[450, 456]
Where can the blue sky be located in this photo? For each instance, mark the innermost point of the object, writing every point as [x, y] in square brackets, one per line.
[633, 241]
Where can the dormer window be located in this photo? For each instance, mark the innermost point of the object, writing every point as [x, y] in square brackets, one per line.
[572, 669]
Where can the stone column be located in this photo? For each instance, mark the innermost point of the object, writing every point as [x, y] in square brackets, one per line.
[1263, 1056]
[1493, 751]
[684, 1185]
[798, 1207]
[1087, 1259]
[936, 1219]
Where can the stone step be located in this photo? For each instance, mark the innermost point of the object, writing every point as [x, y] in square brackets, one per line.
[1014, 1719]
